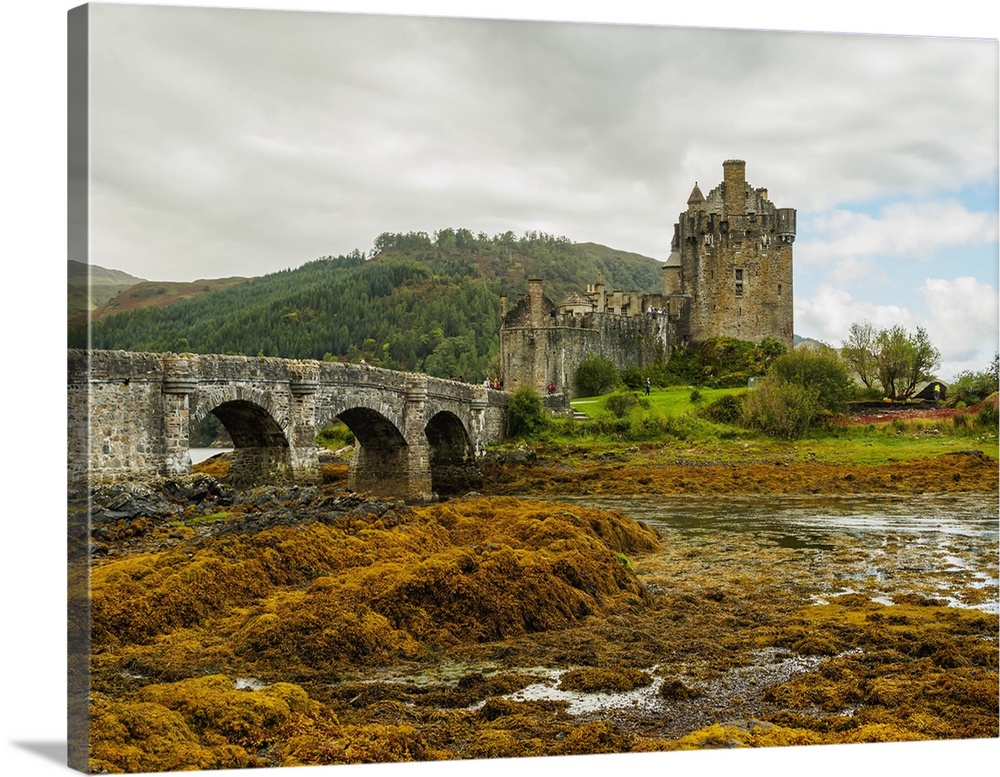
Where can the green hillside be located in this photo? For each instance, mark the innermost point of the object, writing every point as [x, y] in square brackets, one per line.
[421, 303]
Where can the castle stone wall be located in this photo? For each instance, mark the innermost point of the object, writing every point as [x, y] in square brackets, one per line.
[536, 356]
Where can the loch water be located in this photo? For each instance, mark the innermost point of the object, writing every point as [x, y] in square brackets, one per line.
[944, 545]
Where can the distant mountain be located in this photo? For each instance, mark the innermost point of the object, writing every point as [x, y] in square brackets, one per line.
[421, 303]
[104, 284]
[808, 342]
[159, 294]
[118, 292]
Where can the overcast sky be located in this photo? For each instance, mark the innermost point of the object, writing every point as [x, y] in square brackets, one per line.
[878, 158]
[240, 142]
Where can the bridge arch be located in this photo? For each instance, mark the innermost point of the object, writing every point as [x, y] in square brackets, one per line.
[448, 438]
[382, 454]
[451, 453]
[261, 449]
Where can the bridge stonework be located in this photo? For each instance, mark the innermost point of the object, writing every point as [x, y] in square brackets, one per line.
[131, 414]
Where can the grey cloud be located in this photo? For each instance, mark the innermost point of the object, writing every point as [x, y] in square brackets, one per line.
[251, 140]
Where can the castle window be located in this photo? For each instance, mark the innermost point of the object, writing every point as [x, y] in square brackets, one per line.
[779, 289]
[739, 282]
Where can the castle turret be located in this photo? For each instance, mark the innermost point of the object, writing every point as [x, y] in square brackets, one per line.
[696, 198]
[785, 228]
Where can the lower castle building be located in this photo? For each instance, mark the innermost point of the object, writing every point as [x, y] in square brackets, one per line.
[729, 274]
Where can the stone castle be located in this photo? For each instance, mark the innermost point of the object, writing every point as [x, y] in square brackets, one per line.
[729, 274]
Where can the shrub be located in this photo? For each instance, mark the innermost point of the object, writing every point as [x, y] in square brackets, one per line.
[820, 370]
[988, 416]
[595, 376]
[780, 409]
[724, 410]
[335, 435]
[621, 403]
[971, 387]
[725, 362]
[633, 378]
[525, 415]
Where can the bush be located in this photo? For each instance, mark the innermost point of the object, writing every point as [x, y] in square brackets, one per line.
[621, 403]
[725, 362]
[820, 370]
[525, 415]
[595, 376]
[988, 416]
[633, 378]
[780, 409]
[724, 410]
[335, 435]
[972, 387]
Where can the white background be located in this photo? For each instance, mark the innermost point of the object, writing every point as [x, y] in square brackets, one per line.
[34, 215]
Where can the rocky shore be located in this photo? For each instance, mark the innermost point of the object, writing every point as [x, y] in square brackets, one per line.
[286, 626]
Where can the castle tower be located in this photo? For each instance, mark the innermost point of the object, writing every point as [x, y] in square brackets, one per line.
[734, 251]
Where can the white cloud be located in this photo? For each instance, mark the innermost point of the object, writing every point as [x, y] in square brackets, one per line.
[845, 242]
[962, 319]
[828, 314]
[963, 322]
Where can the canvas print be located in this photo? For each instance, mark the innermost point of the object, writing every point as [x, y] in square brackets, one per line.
[453, 389]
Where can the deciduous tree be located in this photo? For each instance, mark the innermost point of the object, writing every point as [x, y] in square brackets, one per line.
[859, 352]
[892, 358]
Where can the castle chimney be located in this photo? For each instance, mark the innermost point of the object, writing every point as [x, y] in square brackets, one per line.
[734, 172]
[503, 305]
[535, 302]
[601, 297]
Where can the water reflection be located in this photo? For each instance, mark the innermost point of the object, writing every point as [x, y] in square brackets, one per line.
[940, 545]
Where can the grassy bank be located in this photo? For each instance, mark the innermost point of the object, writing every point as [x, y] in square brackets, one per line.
[676, 424]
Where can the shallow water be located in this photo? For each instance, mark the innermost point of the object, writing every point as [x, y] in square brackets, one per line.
[937, 545]
[199, 455]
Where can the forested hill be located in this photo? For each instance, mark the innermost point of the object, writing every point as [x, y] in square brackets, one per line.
[419, 303]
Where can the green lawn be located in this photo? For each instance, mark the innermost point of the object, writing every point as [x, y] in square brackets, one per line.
[670, 401]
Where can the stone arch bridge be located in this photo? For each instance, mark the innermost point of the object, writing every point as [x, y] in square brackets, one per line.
[131, 414]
